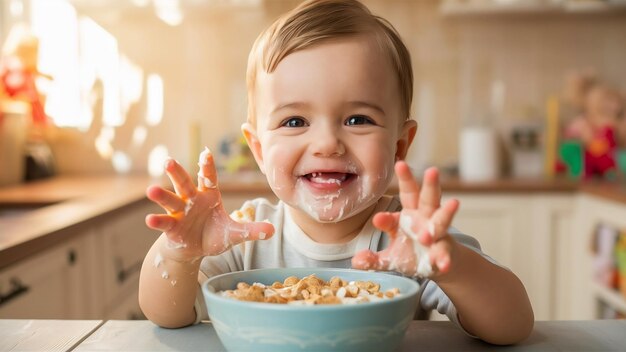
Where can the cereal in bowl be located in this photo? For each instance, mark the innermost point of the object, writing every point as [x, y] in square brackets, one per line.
[311, 290]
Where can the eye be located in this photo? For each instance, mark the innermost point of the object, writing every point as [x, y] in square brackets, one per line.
[293, 122]
[359, 120]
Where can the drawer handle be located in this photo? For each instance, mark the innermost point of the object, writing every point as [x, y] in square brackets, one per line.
[124, 273]
[17, 289]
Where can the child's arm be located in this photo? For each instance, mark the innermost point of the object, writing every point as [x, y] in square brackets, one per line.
[196, 225]
[491, 302]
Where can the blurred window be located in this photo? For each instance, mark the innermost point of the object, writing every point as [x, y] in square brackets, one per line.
[83, 59]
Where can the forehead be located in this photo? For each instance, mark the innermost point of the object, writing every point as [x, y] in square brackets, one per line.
[329, 73]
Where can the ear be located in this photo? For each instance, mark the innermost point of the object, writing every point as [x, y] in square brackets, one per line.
[250, 133]
[409, 129]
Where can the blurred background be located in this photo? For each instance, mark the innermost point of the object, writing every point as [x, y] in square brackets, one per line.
[166, 72]
[519, 102]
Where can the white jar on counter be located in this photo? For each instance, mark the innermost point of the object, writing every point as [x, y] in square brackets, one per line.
[479, 156]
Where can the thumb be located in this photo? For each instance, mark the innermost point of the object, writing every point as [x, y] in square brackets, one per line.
[249, 231]
[368, 260]
[387, 222]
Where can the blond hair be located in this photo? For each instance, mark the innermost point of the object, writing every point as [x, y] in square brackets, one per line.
[316, 20]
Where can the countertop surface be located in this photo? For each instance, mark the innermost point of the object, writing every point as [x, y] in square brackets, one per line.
[142, 335]
[32, 214]
[36, 215]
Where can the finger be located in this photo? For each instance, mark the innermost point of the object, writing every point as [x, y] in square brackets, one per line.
[166, 199]
[160, 222]
[442, 219]
[409, 189]
[368, 260]
[250, 231]
[430, 197]
[387, 222]
[207, 175]
[183, 185]
[440, 256]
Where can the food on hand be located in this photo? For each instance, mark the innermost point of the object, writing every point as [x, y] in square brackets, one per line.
[311, 290]
[244, 215]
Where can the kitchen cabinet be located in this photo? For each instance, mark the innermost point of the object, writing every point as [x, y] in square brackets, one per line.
[49, 285]
[95, 275]
[121, 243]
[521, 232]
[585, 296]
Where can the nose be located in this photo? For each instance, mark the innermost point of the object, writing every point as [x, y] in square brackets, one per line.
[326, 142]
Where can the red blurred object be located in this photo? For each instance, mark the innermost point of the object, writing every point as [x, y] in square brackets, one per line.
[19, 83]
[600, 152]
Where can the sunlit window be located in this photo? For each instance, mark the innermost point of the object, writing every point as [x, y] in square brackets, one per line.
[155, 100]
[84, 60]
[99, 62]
[54, 22]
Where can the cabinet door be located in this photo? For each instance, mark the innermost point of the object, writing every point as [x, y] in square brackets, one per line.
[592, 211]
[126, 308]
[547, 253]
[123, 241]
[494, 220]
[527, 234]
[46, 286]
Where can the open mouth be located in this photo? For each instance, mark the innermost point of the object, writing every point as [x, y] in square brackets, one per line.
[329, 179]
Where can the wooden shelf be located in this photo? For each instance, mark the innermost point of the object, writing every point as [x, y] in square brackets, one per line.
[609, 296]
[463, 8]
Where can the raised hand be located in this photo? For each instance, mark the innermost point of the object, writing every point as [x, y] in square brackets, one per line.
[420, 243]
[196, 223]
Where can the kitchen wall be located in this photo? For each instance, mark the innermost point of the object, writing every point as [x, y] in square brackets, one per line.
[456, 60]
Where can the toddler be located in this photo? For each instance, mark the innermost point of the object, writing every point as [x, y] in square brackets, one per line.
[329, 88]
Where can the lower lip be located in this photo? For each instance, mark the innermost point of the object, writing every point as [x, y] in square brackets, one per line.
[328, 187]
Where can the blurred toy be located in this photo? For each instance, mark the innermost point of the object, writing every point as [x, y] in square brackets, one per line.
[18, 72]
[235, 156]
[620, 258]
[603, 247]
[571, 154]
[598, 125]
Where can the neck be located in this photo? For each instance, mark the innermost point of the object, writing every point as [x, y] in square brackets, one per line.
[336, 232]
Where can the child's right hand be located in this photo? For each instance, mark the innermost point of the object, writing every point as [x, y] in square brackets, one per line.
[196, 223]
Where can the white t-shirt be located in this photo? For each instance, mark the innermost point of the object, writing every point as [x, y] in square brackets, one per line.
[290, 247]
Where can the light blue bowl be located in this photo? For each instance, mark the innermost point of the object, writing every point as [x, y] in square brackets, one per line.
[252, 326]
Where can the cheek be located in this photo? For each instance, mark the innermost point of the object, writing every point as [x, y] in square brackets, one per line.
[378, 157]
[279, 160]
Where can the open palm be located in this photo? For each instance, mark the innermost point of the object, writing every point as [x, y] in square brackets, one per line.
[196, 223]
[420, 230]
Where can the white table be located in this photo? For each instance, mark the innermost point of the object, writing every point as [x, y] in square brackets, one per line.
[118, 335]
[44, 335]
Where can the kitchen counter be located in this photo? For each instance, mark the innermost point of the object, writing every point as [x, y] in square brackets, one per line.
[36, 215]
[142, 335]
[257, 184]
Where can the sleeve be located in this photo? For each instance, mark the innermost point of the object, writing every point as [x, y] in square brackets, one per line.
[229, 261]
[432, 296]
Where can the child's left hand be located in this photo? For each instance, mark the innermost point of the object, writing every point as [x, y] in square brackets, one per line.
[429, 222]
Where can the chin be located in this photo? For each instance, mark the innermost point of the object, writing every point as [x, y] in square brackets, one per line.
[342, 210]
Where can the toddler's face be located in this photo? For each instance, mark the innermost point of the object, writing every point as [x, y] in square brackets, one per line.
[329, 128]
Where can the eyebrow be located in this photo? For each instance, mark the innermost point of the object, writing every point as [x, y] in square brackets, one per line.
[296, 104]
[355, 103]
[364, 104]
